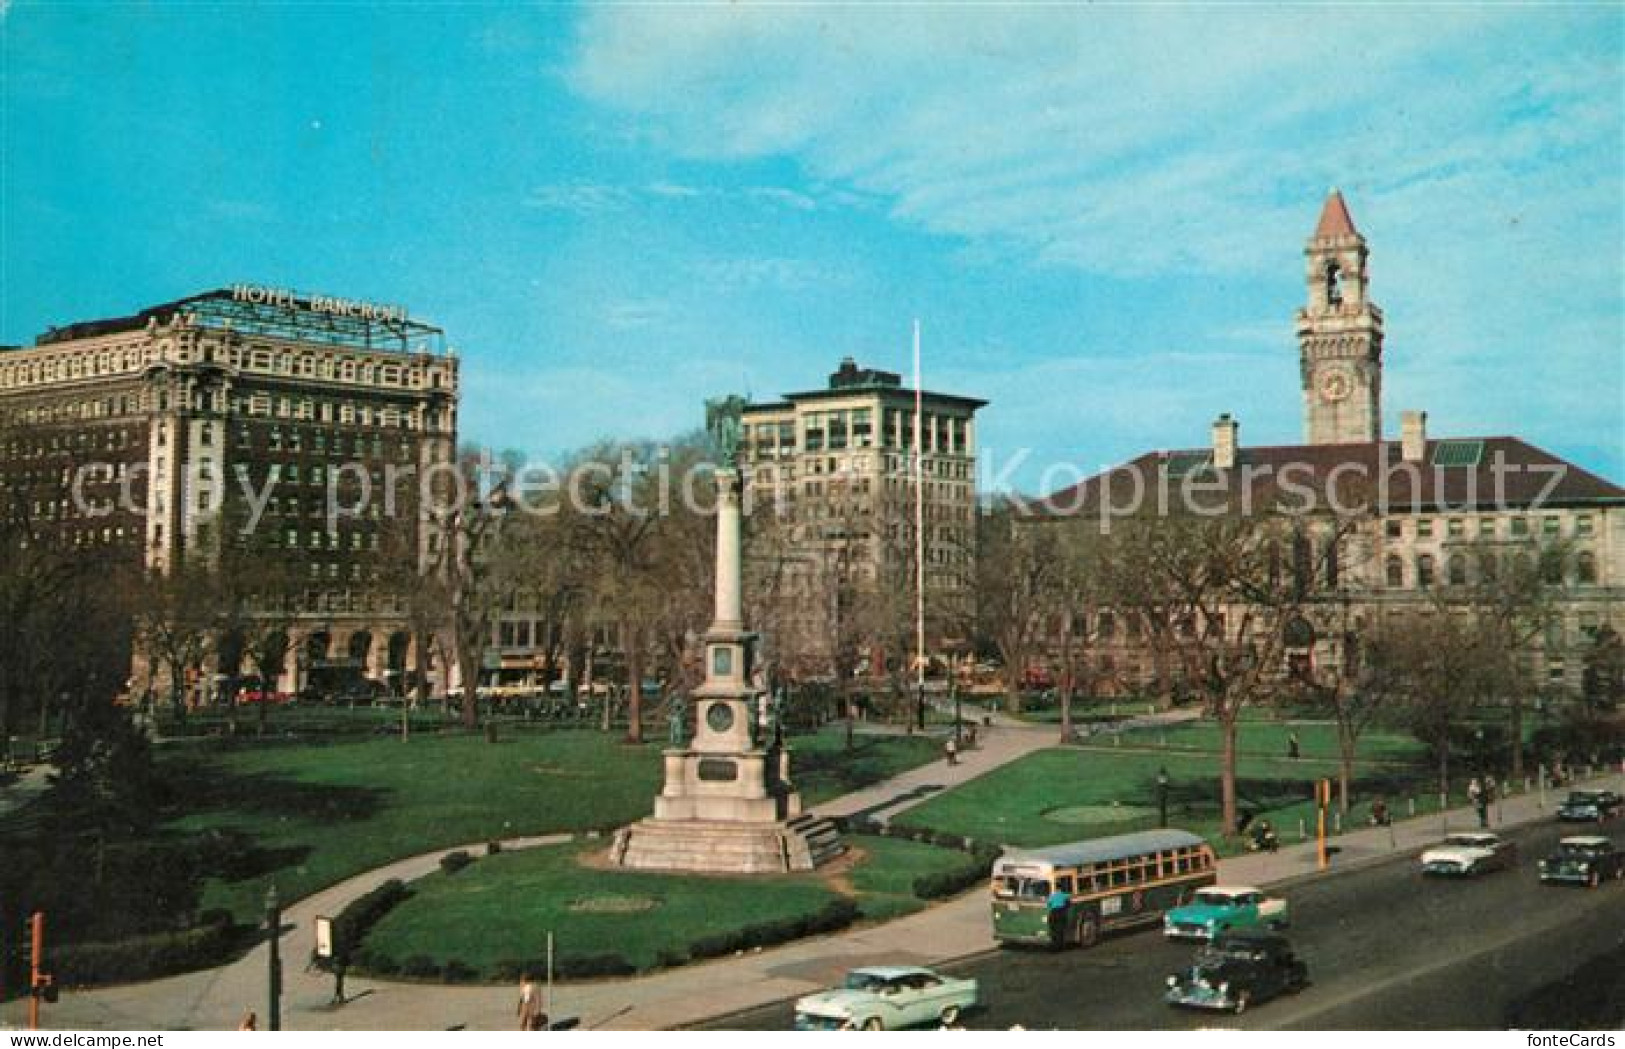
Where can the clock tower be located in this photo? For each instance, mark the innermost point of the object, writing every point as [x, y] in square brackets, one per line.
[1339, 335]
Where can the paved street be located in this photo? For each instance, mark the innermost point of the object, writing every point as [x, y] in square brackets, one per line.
[1387, 949]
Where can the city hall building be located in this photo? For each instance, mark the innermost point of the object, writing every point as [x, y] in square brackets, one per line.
[1447, 512]
[158, 438]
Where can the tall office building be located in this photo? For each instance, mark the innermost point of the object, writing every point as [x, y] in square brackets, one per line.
[835, 497]
[244, 415]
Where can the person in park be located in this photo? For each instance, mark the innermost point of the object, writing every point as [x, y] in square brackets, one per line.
[1481, 801]
[951, 749]
[531, 1016]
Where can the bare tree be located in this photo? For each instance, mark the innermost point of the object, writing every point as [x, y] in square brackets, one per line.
[1023, 570]
[1512, 597]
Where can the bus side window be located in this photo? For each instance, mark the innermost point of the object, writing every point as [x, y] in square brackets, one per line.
[1063, 883]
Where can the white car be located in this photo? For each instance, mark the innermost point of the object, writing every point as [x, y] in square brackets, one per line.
[885, 998]
[1469, 853]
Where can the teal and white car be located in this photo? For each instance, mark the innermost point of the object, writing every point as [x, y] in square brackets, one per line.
[885, 998]
[1219, 908]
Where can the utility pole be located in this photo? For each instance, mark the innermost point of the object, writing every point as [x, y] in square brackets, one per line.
[1323, 799]
[273, 925]
[40, 984]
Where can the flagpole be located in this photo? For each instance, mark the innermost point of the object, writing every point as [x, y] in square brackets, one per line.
[919, 534]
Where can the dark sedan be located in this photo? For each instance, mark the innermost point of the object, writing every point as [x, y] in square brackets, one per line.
[1587, 860]
[1237, 969]
[1590, 806]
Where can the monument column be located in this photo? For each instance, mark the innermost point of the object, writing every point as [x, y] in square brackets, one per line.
[727, 805]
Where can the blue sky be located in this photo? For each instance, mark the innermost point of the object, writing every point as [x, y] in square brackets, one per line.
[1098, 213]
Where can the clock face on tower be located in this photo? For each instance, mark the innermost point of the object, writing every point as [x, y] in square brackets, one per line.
[1335, 385]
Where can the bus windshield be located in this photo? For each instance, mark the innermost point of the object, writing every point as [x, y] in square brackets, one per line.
[1011, 887]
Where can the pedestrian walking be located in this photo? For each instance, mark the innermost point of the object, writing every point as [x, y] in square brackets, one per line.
[1480, 800]
[531, 1016]
[951, 749]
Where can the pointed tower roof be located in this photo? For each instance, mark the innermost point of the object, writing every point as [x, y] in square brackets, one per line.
[1334, 218]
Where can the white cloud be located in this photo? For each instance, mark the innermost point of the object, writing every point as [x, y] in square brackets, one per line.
[1118, 139]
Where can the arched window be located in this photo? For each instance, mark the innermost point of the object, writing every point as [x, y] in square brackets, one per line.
[1551, 567]
[1424, 571]
[1334, 293]
[1585, 567]
[1488, 567]
[1396, 571]
[1456, 569]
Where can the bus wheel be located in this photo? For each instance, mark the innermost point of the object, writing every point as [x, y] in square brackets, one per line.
[873, 1024]
[950, 1016]
[1088, 931]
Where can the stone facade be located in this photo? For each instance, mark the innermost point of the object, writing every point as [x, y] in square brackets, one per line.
[235, 416]
[1339, 335]
[728, 804]
[831, 472]
[1447, 512]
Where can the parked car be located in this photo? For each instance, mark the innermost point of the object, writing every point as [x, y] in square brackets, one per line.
[1470, 853]
[1584, 860]
[885, 998]
[1238, 969]
[1590, 806]
[1219, 908]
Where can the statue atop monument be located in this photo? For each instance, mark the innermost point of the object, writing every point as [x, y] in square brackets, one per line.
[722, 422]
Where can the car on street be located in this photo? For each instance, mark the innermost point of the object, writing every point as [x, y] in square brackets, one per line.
[885, 998]
[1219, 908]
[1590, 806]
[1585, 860]
[1238, 969]
[1469, 853]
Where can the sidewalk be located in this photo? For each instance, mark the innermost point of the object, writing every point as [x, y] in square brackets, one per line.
[691, 994]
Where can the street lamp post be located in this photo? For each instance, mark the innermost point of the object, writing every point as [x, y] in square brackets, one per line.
[1162, 797]
[273, 925]
[959, 728]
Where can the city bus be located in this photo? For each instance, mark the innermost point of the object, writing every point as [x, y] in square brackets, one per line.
[1067, 895]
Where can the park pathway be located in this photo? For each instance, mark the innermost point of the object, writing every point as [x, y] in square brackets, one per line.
[216, 999]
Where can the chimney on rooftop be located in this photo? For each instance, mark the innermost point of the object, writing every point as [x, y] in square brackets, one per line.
[1413, 436]
[1225, 430]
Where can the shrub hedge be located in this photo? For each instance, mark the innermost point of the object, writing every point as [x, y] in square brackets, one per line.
[362, 913]
[836, 914]
[147, 957]
[452, 862]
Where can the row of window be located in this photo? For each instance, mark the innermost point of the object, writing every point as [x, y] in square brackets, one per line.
[1550, 525]
[110, 439]
[1458, 571]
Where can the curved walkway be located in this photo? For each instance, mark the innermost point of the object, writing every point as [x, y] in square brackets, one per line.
[216, 999]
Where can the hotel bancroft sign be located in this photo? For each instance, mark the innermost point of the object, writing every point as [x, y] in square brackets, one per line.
[262, 296]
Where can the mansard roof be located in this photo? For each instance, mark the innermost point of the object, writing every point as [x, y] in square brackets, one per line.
[1454, 475]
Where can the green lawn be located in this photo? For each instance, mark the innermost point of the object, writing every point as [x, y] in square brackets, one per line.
[1072, 794]
[498, 911]
[1316, 739]
[307, 815]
